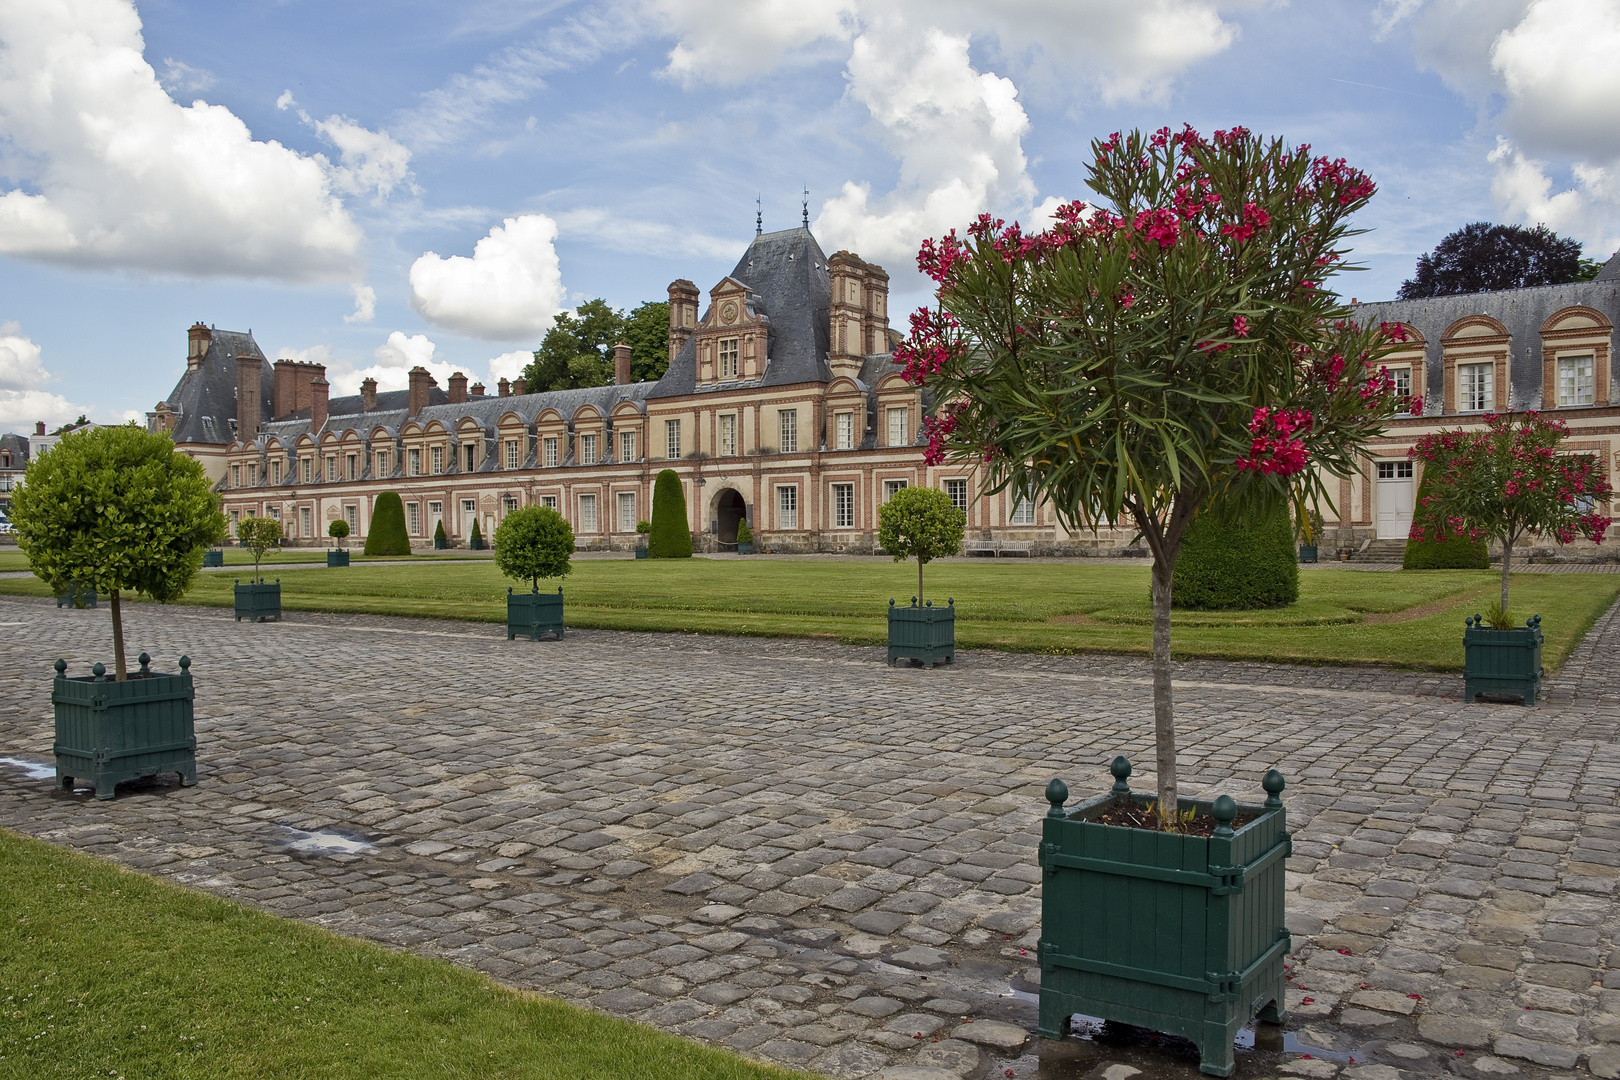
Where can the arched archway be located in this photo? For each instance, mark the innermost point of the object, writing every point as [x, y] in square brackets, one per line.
[729, 508]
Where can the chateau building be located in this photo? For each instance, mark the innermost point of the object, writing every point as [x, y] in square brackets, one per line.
[782, 404]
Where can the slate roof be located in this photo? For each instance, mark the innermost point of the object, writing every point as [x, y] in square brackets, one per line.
[18, 446]
[787, 272]
[204, 400]
[1522, 311]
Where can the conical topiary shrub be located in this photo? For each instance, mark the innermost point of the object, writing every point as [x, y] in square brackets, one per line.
[1226, 565]
[1455, 553]
[476, 538]
[440, 541]
[670, 537]
[388, 535]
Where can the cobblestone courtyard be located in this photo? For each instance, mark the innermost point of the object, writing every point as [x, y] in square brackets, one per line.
[787, 848]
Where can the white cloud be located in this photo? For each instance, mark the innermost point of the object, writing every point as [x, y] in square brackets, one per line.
[508, 291]
[638, 236]
[365, 304]
[1560, 77]
[509, 365]
[729, 41]
[369, 161]
[180, 78]
[22, 374]
[1588, 211]
[116, 174]
[20, 367]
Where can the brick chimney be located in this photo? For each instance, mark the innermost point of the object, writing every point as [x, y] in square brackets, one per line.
[477, 389]
[197, 340]
[458, 388]
[305, 375]
[621, 364]
[249, 370]
[319, 391]
[683, 314]
[368, 395]
[517, 388]
[286, 392]
[504, 388]
[39, 427]
[421, 382]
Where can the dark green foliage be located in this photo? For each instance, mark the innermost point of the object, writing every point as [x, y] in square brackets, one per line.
[670, 537]
[533, 543]
[1455, 553]
[338, 529]
[439, 539]
[259, 535]
[476, 536]
[1483, 258]
[920, 523]
[745, 535]
[388, 535]
[646, 331]
[578, 349]
[1237, 564]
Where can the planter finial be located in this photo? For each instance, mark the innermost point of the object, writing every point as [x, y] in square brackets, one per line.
[99, 671]
[146, 663]
[185, 663]
[1121, 768]
[1274, 784]
[1225, 810]
[1057, 793]
[61, 667]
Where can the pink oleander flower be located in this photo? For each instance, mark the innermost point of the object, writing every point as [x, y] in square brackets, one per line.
[1240, 326]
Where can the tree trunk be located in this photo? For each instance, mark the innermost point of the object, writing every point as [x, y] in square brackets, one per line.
[1507, 560]
[120, 669]
[919, 582]
[1164, 715]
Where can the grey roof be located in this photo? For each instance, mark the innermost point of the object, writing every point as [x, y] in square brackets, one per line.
[1611, 269]
[18, 445]
[787, 272]
[1522, 311]
[204, 400]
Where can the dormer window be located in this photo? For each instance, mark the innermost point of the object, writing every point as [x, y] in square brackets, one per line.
[587, 449]
[1576, 385]
[436, 459]
[469, 457]
[728, 358]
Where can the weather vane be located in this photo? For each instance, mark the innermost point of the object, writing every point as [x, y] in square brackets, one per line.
[806, 206]
[759, 216]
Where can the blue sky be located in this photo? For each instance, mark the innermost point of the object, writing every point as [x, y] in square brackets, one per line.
[380, 185]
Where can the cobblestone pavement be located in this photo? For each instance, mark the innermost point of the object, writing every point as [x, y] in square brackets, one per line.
[788, 848]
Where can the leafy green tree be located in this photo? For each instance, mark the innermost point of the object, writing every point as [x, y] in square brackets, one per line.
[116, 509]
[258, 535]
[920, 523]
[1452, 552]
[671, 537]
[533, 543]
[388, 535]
[578, 349]
[338, 530]
[1173, 349]
[646, 331]
[1482, 257]
[745, 535]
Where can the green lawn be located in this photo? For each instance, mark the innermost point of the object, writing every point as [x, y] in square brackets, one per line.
[1079, 606]
[106, 972]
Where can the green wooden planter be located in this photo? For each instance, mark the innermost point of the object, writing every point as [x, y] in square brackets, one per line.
[1504, 663]
[745, 547]
[109, 731]
[641, 553]
[1307, 553]
[213, 557]
[337, 558]
[925, 633]
[76, 597]
[476, 545]
[533, 614]
[1180, 934]
[257, 601]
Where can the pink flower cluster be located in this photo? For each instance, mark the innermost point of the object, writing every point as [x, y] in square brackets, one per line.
[1254, 219]
[929, 347]
[1350, 184]
[938, 428]
[1274, 447]
[1161, 225]
[1394, 331]
[936, 260]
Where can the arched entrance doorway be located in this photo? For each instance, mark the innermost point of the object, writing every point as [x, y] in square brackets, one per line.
[729, 508]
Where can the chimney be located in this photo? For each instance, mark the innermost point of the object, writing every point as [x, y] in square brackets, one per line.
[477, 389]
[248, 415]
[286, 376]
[683, 313]
[368, 395]
[621, 364]
[458, 388]
[504, 388]
[517, 387]
[304, 379]
[319, 391]
[197, 339]
[421, 383]
[39, 427]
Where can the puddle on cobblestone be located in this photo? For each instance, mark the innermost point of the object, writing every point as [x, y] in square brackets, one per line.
[325, 843]
[33, 770]
[1093, 1042]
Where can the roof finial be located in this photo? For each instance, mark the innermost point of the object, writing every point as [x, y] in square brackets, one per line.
[806, 206]
[759, 216]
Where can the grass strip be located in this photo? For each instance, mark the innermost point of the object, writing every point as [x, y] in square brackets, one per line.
[107, 972]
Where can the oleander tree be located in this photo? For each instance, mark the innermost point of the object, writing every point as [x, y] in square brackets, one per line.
[1507, 480]
[1172, 349]
[259, 535]
[117, 509]
[533, 543]
[920, 523]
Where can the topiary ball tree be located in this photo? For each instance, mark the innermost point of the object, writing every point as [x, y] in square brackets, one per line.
[1237, 564]
[1457, 551]
[258, 535]
[920, 523]
[388, 535]
[533, 543]
[338, 530]
[670, 538]
[116, 509]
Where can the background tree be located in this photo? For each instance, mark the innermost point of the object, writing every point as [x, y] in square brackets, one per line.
[338, 530]
[1172, 350]
[1484, 258]
[388, 535]
[1442, 552]
[115, 509]
[258, 535]
[1509, 480]
[920, 523]
[671, 537]
[1237, 564]
[533, 543]
[578, 349]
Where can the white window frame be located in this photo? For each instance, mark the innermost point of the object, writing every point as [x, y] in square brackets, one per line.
[1395, 470]
[306, 522]
[844, 430]
[413, 518]
[413, 461]
[1022, 512]
[892, 486]
[511, 453]
[787, 506]
[436, 460]
[470, 452]
[627, 445]
[627, 511]
[435, 513]
[351, 465]
[588, 519]
[381, 465]
[307, 469]
[550, 447]
[509, 503]
[331, 468]
[351, 516]
[672, 439]
[728, 434]
[1476, 387]
[587, 448]
[957, 491]
[1578, 388]
[1402, 377]
[729, 351]
[843, 500]
[549, 500]
[236, 476]
[897, 426]
[788, 423]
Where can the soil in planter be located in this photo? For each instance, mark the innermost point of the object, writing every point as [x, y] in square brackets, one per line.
[1133, 815]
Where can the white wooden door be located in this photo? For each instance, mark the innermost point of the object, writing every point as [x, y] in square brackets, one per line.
[1394, 499]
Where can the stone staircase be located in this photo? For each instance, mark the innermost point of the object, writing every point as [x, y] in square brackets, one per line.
[1383, 551]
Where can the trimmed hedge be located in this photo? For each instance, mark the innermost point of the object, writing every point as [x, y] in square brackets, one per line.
[1457, 553]
[388, 535]
[670, 537]
[1227, 565]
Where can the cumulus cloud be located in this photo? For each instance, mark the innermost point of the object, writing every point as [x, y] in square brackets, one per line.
[1558, 72]
[507, 291]
[369, 162]
[509, 365]
[178, 78]
[729, 41]
[22, 374]
[365, 304]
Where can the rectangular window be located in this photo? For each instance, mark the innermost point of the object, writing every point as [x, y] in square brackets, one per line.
[787, 508]
[728, 435]
[436, 459]
[957, 490]
[897, 427]
[469, 457]
[1476, 388]
[1575, 383]
[587, 449]
[790, 431]
[273, 511]
[892, 486]
[1394, 470]
[508, 504]
[382, 464]
[728, 358]
[627, 446]
[275, 467]
[413, 518]
[413, 462]
[511, 453]
[551, 452]
[253, 475]
[306, 468]
[1403, 381]
[435, 515]
[304, 528]
[236, 517]
[843, 506]
[351, 514]
[845, 437]
[549, 500]
[627, 511]
[352, 465]
[331, 468]
[1023, 513]
[672, 439]
[236, 476]
[587, 513]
